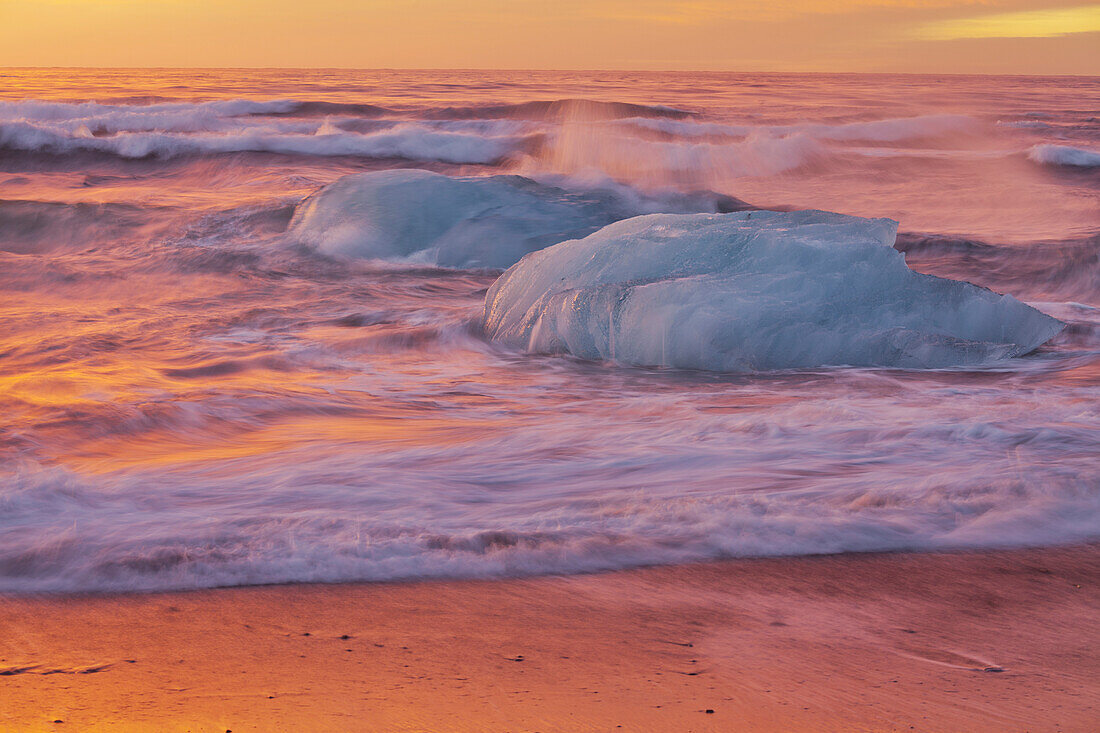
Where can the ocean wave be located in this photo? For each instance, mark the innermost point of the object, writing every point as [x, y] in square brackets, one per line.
[100, 121]
[149, 236]
[31, 110]
[1061, 270]
[1025, 124]
[91, 119]
[321, 109]
[408, 142]
[923, 244]
[62, 532]
[1065, 155]
[560, 109]
[37, 227]
[887, 130]
[593, 151]
[162, 115]
[564, 136]
[709, 154]
[42, 110]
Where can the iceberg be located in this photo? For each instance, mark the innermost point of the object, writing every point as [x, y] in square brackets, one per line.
[752, 291]
[422, 217]
[417, 216]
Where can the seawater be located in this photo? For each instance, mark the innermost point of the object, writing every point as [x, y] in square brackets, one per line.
[190, 399]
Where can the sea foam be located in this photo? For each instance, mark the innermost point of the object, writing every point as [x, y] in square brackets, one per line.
[1065, 155]
[411, 142]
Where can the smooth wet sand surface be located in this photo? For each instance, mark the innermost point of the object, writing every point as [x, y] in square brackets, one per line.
[997, 641]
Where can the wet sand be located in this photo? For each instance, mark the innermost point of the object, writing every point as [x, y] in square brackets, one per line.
[997, 641]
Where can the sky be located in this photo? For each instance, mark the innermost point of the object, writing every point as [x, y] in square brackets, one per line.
[937, 36]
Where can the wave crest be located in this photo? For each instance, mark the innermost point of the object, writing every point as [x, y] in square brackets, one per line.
[409, 142]
[1064, 155]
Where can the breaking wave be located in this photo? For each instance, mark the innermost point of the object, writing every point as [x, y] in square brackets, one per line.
[623, 140]
[69, 539]
[560, 109]
[408, 142]
[1065, 155]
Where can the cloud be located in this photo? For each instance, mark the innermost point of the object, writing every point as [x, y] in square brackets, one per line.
[698, 12]
[1022, 24]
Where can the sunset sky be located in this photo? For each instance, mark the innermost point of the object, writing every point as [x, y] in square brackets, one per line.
[981, 36]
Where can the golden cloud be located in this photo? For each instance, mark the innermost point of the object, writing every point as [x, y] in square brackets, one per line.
[1022, 24]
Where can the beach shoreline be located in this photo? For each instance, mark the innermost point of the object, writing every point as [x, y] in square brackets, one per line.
[985, 640]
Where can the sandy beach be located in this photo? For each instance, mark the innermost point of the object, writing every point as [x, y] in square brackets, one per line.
[998, 641]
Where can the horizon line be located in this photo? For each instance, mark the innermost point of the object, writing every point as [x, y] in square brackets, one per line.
[541, 69]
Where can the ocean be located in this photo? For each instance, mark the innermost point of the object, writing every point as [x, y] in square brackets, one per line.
[196, 393]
